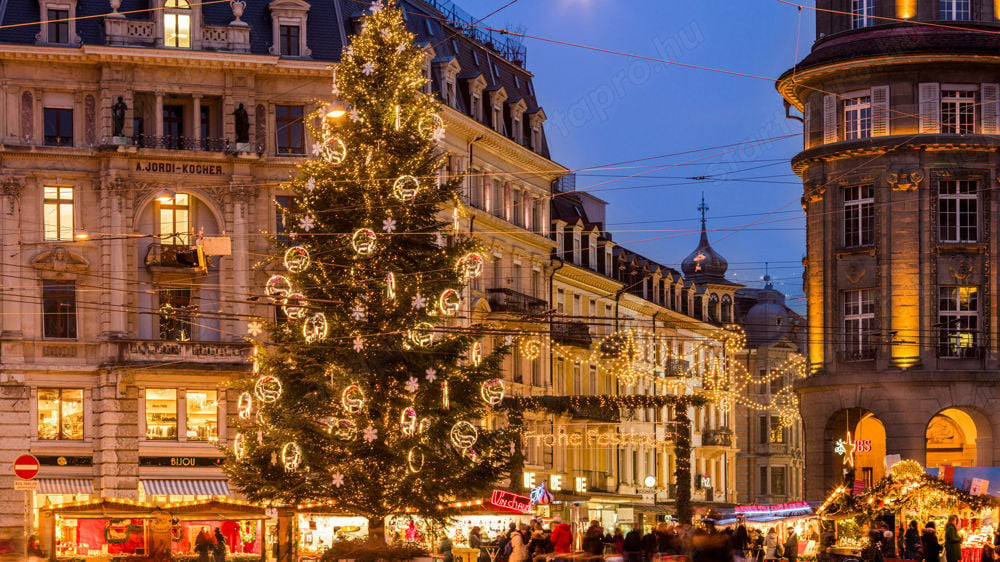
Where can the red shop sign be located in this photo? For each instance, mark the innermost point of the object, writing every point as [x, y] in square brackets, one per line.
[509, 500]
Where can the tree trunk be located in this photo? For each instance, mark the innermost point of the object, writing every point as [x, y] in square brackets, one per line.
[516, 421]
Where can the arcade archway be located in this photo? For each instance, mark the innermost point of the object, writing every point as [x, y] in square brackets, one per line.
[856, 445]
[951, 438]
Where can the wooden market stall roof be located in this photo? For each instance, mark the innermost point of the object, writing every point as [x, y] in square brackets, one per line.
[111, 508]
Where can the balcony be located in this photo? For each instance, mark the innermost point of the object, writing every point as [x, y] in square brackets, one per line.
[121, 31]
[677, 368]
[596, 481]
[511, 301]
[191, 352]
[182, 143]
[572, 333]
[857, 354]
[596, 413]
[722, 437]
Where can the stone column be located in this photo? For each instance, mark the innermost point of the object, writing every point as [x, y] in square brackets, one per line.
[243, 196]
[196, 105]
[113, 202]
[11, 189]
[158, 117]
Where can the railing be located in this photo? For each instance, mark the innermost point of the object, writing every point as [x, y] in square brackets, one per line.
[857, 354]
[572, 333]
[182, 143]
[508, 47]
[141, 351]
[722, 437]
[509, 300]
[596, 413]
[170, 255]
[122, 31]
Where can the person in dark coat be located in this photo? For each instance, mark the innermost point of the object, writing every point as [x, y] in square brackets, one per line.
[911, 542]
[952, 540]
[757, 546]
[649, 544]
[219, 550]
[204, 545]
[632, 546]
[741, 541]
[930, 544]
[791, 545]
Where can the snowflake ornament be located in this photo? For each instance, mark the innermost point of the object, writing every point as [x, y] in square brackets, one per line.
[385, 33]
[389, 225]
[412, 384]
[307, 223]
[338, 479]
[359, 344]
[418, 301]
[371, 434]
[368, 68]
[317, 148]
[354, 115]
[311, 184]
[508, 340]
[400, 48]
[437, 134]
[376, 6]
[255, 328]
[431, 374]
[359, 313]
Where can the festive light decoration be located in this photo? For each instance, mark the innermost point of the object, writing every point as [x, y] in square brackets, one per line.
[239, 447]
[268, 389]
[297, 259]
[291, 456]
[432, 127]
[334, 151]
[244, 405]
[422, 334]
[449, 302]
[277, 288]
[531, 348]
[476, 354]
[414, 460]
[363, 241]
[353, 399]
[315, 328]
[464, 435]
[294, 306]
[622, 358]
[405, 188]
[345, 430]
[445, 399]
[390, 286]
[408, 422]
[470, 266]
[492, 391]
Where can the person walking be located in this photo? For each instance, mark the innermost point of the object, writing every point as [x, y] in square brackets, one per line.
[444, 549]
[952, 540]
[632, 546]
[771, 545]
[791, 546]
[593, 541]
[930, 544]
[519, 547]
[204, 545]
[911, 542]
[741, 541]
[757, 546]
[561, 537]
[219, 549]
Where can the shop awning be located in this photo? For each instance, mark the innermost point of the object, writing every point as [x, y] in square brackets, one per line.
[65, 486]
[185, 487]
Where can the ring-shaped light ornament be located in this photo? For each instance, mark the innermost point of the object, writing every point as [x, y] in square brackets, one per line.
[297, 259]
[476, 354]
[431, 127]
[334, 151]
[470, 266]
[408, 422]
[315, 328]
[352, 399]
[492, 391]
[295, 306]
[291, 456]
[277, 288]
[405, 188]
[464, 435]
[267, 389]
[414, 460]
[345, 430]
[422, 334]
[244, 405]
[449, 302]
[239, 447]
[364, 241]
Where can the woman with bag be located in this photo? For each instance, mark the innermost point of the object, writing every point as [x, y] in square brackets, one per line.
[771, 545]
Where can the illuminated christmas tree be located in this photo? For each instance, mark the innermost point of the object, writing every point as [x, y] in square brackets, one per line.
[372, 395]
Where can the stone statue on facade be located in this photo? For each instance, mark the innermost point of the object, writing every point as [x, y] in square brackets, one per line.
[60, 264]
[118, 117]
[242, 125]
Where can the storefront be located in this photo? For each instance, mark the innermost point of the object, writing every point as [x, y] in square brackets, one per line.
[317, 530]
[108, 528]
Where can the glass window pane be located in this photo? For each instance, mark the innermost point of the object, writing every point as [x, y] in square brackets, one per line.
[72, 413]
[66, 221]
[48, 413]
[202, 415]
[161, 413]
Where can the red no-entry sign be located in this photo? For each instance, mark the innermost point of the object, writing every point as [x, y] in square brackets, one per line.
[26, 467]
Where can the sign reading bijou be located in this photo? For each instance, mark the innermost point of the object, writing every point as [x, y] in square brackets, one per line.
[179, 168]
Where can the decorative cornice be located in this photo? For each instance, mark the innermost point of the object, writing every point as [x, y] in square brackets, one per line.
[516, 154]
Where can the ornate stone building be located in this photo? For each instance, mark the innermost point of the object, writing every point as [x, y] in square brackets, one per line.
[899, 171]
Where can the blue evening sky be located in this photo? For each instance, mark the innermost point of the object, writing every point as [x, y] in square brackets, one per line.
[604, 108]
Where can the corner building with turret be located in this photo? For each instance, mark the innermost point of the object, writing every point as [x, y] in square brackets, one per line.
[899, 171]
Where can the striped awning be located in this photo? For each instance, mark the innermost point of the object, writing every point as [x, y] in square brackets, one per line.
[65, 486]
[185, 487]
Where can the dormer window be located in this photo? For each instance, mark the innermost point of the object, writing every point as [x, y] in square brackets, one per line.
[59, 27]
[476, 85]
[58, 24]
[476, 107]
[475, 56]
[177, 24]
[288, 33]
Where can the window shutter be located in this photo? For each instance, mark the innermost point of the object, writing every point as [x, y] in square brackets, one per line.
[829, 118]
[806, 126]
[989, 101]
[930, 107]
[880, 111]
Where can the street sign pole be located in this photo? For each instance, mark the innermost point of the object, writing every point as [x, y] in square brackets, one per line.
[26, 468]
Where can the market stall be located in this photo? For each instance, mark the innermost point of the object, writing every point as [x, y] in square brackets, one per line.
[317, 529]
[780, 516]
[112, 529]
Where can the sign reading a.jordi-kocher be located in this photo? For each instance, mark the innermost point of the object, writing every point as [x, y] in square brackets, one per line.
[26, 467]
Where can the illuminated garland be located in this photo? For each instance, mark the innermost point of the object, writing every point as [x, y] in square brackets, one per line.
[682, 470]
[566, 404]
[901, 493]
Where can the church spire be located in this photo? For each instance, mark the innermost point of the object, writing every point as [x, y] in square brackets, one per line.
[704, 263]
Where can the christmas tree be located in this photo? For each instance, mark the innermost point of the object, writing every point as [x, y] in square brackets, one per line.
[372, 395]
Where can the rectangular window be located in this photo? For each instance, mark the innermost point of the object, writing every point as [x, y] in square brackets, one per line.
[175, 314]
[859, 324]
[161, 413]
[958, 318]
[289, 38]
[58, 27]
[58, 309]
[778, 480]
[289, 130]
[58, 126]
[57, 209]
[764, 435]
[955, 10]
[577, 379]
[60, 413]
[859, 216]
[496, 199]
[177, 30]
[862, 13]
[857, 118]
[763, 480]
[777, 434]
[202, 409]
[593, 381]
[175, 220]
[958, 111]
[958, 211]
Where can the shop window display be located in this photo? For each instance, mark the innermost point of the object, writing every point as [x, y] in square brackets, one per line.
[161, 413]
[318, 531]
[202, 415]
[60, 413]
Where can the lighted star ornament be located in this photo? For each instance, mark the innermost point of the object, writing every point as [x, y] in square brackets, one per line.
[846, 449]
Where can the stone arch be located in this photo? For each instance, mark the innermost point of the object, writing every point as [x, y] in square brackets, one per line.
[958, 435]
[868, 435]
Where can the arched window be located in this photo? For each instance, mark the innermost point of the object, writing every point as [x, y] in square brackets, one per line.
[713, 307]
[177, 24]
[727, 309]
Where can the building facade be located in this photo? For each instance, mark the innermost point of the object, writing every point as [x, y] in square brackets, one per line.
[899, 169]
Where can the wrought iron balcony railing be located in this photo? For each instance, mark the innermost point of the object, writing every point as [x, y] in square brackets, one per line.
[170, 142]
[722, 437]
[572, 333]
[509, 300]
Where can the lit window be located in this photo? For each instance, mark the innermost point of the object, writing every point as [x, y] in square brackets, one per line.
[955, 10]
[175, 314]
[58, 126]
[777, 433]
[958, 111]
[202, 415]
[60, 413]
[58, 213]
[177, 24]
[862, 12]
[958, 216]
[958, 318]
[175, 220]
[59, 309]
[289, 131]
[161, 413]
[859, 216]
[857, 118]
[859, 319]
